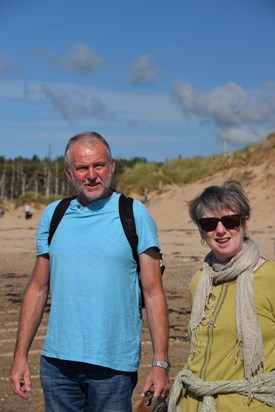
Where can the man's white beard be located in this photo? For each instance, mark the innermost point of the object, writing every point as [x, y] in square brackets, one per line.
[79, 189]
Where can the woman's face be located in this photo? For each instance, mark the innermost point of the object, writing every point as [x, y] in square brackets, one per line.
[224, 243]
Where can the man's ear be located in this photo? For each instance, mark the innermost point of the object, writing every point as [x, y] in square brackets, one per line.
[68, 173]
[113, 166]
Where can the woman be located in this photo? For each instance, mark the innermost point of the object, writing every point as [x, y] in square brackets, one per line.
[232, 323]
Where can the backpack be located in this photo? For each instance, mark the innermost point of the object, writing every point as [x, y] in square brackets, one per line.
[127, 220]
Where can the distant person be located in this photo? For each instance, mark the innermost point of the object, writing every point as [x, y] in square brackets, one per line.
[2, 212]
[27, 210]
[92, 348]
[231, 366]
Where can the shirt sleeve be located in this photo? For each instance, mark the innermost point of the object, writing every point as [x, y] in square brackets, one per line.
[43, 227]
[146, 227]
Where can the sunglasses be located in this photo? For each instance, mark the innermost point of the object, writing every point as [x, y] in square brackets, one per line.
[208, 224]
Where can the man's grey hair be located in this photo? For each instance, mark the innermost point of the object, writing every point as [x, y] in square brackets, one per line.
[87, 138]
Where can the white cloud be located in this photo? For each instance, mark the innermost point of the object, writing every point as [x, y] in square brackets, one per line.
[242, 135]
[143, 71]
[234, 112]
[74, 101]
[80, 59]
[77, 103]
[74, 104]
[7, 65]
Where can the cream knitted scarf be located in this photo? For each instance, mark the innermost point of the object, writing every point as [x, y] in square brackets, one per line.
[241, 266]
[263, 390]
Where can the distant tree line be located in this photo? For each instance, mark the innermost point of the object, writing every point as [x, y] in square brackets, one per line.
[21, 177]
[43, 180]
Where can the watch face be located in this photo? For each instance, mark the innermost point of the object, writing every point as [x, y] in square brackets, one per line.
[162, 364]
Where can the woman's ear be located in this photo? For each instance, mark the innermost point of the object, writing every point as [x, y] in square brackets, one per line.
[245, 224]
[246, 219]
[202, 234]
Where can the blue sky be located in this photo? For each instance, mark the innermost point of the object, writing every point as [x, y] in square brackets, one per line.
[158, 79]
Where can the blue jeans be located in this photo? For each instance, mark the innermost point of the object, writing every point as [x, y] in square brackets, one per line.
[81, 387]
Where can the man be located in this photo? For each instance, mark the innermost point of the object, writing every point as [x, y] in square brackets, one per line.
[91, 352]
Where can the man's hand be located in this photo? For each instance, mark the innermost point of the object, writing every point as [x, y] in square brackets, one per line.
[32, 308]
[20, 378]
[158, 381]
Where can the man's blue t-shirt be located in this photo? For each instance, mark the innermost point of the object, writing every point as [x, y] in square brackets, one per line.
[95, 315]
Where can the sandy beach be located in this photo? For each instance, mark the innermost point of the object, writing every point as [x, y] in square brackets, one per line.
[183, 255]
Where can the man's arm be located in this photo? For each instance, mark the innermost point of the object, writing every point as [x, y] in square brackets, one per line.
[157, 318]
[32, 309]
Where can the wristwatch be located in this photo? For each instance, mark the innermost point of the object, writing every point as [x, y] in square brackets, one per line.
[162, 364]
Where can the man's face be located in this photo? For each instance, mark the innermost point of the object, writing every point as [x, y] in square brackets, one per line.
[90, 171]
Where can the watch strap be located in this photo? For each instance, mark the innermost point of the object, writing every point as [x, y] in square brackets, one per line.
[162, 364]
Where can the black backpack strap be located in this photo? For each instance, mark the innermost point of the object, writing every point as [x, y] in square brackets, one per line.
[128, 222]
[58, 213]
